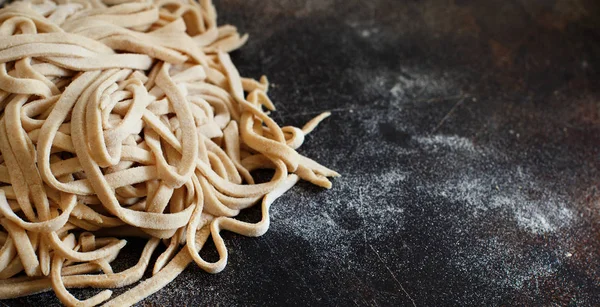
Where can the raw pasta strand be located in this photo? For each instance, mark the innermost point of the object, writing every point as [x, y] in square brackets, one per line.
[128, 118]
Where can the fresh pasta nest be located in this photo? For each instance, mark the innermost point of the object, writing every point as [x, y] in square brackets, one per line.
[128, 119]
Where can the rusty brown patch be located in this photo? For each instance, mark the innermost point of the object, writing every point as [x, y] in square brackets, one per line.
[588, 113]
[502, 55]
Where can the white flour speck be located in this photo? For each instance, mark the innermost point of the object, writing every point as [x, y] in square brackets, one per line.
[397, 90]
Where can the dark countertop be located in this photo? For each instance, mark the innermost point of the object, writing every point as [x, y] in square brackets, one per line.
[467, 134]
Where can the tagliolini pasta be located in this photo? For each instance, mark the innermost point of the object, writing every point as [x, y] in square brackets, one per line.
[128, 118]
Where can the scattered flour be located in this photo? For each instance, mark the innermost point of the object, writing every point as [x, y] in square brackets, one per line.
[404, 85]
[452, 142]
[503, 264]
[505, 193]
[541, 214]
[545, 215]
[412, 84]
[370, 209]
[510, 189]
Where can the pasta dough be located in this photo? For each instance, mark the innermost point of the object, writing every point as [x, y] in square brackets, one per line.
[128, 118]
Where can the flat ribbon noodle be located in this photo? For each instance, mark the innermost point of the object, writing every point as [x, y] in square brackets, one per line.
[128, 118]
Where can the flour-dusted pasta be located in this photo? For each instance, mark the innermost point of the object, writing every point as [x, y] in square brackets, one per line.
[128, 118]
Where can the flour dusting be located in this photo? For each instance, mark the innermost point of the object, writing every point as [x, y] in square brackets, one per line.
[414, 83]
[368, 209]
[503, 265]
[510, 189]
[542, 214]
[452, 142]
[545, 215]
[491, 196]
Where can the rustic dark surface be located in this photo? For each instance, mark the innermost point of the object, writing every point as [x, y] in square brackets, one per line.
[466, 133]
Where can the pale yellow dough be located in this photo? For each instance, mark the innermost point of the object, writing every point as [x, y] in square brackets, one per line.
[128, 118]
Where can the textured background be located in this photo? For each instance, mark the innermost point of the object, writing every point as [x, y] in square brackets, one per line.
[466, 133]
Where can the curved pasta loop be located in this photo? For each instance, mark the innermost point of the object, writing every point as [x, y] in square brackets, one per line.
[59, 287]
[123, 118]
[225, 223]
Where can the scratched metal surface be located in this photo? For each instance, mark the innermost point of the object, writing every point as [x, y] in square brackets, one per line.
[467, 135]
